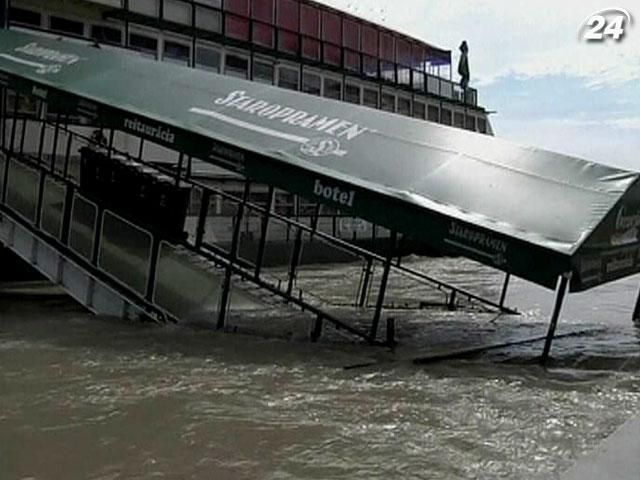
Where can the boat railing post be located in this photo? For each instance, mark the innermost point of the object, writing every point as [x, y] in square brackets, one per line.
[202, 217]
[560, 296]
[54, 147]
[4, 14]
[383, 288]
[505, 288]
[154, 259]
[295, 262]
[636, 311]
[365, 283]
[10, 153]
[3, 115]
[233, 255]
[264, 230]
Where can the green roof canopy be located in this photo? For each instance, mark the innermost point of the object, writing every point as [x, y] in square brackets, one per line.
[530, 212]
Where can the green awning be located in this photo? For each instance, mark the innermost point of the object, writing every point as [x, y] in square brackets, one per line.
[530, 212]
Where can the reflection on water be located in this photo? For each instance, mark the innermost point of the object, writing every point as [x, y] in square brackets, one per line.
[92, 398]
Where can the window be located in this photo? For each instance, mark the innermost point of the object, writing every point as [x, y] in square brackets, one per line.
[332, 89]
[176, 53]
[417, 79]
[388, 102]
[263, 20]
[482, 125]
[236, 66]
[387, 47]
[310, 29]
[146, 7]
[309, 21]
[263, 71]
[287, 20]
[177, 12]
[263, 35]
[370, 66]
[144, 44]
[352, 61]
[240, 7]
[65, 25]
[419, 110]
[352, 93]
[288, 12]
[311, 83]
[262, 10]
[208, 19]
[470, 123]
[237, 27]
[288, 78]
[404, 106]
[388, 71]
[434, 113]
[106, 34]
[207, 59]
[446, 117]
[25, 17]
[458, 119]
[370, 98]
[332, 37]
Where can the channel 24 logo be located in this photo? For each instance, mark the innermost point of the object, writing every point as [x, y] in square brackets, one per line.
[610, 23]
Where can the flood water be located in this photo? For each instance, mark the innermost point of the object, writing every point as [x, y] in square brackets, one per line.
[94, 398]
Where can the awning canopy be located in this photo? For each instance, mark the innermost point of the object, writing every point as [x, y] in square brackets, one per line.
[529, 212]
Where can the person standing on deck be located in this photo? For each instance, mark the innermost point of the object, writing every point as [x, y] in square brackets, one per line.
[463, 66]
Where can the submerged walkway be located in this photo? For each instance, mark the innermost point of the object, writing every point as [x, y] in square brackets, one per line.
[617, 458]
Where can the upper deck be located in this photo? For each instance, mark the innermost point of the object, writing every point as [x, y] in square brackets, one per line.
[293, 44]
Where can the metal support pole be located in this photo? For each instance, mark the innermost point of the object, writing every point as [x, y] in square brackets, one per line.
[153, 269]
[451, 305]
[317, 329]
[56, 134]
[141, 148]
[383, 289]
[636, 311]
[560, 294]
[3, 115]
[391, 332]
[295, 261]
[179, 169]
[368, 270]
[233, 255]
[316, 219]
[97, 236]
[505, 287]
[67, 157]
[202, 217]
[264, 230]
[40, 204]
[23, 135]
[10, 154]
[43, 130]
[4, 14]
[66, 217]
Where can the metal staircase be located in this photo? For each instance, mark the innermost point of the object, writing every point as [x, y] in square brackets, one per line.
[113, 265]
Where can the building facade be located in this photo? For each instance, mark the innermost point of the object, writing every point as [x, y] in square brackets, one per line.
[293, 44]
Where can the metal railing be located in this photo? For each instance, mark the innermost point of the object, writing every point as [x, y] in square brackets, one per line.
[227, 257]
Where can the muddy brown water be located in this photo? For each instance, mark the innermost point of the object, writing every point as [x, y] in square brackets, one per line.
[94, 398]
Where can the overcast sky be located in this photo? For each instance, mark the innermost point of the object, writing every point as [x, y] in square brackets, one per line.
[549, 88]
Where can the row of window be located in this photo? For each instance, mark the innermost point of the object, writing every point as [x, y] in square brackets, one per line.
[313, 33]
[211, 57]
[388, 71]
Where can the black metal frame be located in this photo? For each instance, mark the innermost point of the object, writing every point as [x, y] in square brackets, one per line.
[229, 260]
